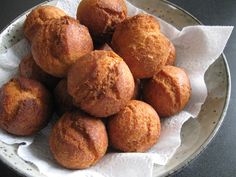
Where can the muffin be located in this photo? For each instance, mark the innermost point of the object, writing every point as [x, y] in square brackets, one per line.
[140, 43]
[136, 128]
[63, 101]
[59, 43]
[172, 55]
[38, 17]
[29, 69]
[168, 91]
[25, 107]
[100, 83]
[78, 141]
[101, 17]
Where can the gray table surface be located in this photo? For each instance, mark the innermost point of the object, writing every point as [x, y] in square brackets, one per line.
[219, 159]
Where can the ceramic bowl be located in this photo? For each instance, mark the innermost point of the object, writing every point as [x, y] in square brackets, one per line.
[196, 133]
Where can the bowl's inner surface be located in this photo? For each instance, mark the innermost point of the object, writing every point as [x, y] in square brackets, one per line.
[196, 133]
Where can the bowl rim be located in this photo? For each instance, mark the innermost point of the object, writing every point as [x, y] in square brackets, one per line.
[192, 157]
[212, 135]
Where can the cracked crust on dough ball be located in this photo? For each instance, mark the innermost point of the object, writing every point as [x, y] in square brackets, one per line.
[78, 141]
[100, 83]
[38, 17]
[136, 128]
[25, 107]
[168, 91]
[101, 17]
[59, 44]
[140, 43]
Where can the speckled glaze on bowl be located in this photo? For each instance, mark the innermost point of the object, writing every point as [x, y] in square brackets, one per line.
[196, 133]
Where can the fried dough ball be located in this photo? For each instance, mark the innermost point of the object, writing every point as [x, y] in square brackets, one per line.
[101, 17]
[78, 141]
[29, 69]
[136, 128]
[38, 17]
[63, 101]
[59, 44]
[140, 43]
[100, 83]
[25, 107]
[168, 91]
[172, 55]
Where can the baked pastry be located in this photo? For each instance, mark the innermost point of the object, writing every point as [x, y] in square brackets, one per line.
[38, 17]
[136, 128]
[25, 107]
[59, 43]
[140, 43]
[100, 83]
[168, 91]
[29, 69]
[172, 55]
[101, 17]
[78, 141]
[63, 101]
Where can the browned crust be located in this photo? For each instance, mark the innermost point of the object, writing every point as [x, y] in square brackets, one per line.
[38, 17]
[172, 55]
[140, 43]
[63, 101]
[100, 83]
[78, 141]
[101, 16]
[134, 129]
[29, 69]
[25, 107]
[169, 91]
[59, 43]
